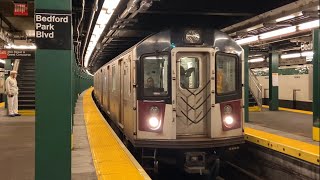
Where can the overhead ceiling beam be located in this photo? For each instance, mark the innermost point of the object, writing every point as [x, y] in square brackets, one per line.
[285, 10]
[198, 13]
[9, 24]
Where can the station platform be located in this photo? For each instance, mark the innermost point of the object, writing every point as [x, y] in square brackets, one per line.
[287, 131]
[17, 146]
[110, 157]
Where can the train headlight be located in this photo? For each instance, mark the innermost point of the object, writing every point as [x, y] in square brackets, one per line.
[154, 123]
[228, 121]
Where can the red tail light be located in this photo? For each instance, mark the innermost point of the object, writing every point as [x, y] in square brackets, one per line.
[151, 116]
[231, 115]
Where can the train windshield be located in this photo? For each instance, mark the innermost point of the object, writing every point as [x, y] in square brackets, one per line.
[226, 73]
[155, 73]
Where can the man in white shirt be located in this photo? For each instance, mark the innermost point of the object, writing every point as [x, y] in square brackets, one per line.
[12, 92]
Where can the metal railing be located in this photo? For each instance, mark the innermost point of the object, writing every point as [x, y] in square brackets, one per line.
[255, 88]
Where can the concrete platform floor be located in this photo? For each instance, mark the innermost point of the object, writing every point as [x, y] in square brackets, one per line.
[290, 122]
[17, 147]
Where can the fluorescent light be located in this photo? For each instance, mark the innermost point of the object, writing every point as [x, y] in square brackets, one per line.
[285, 18]
[256, 60]
[309, 25]
[288, 56]
[255, 27]
[110, 4]
[13, 46]
[278, 32]
[105, 14]
[247, 40]
[2, 61]
[307, 54]
[289, 17]
[103, 17]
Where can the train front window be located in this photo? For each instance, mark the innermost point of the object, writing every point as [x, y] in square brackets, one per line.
[226, 73]
[189, 72]
[155, 75]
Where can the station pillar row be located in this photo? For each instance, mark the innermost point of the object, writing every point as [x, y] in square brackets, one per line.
[273, 80]
[316, 85]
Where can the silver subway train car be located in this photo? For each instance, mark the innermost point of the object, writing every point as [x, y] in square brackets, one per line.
[179, 91]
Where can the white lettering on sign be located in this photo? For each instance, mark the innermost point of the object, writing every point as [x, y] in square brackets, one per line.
[45, 24]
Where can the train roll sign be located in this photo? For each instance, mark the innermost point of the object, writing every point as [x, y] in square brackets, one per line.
[53, 29]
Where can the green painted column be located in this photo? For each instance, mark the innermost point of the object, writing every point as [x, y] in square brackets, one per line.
[53, 103]
[316, 85]
[246, 83]
[7, 66]
[273, 81]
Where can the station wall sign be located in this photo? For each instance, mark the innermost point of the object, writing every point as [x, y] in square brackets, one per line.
[53, 29]
[16, 54]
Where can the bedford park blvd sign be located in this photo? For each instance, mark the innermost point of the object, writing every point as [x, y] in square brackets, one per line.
[53, 29]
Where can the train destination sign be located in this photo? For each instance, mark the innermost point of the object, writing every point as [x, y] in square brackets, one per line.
[53, 30]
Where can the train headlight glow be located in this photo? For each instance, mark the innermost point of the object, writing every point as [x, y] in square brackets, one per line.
[154, 123]
[228, 121]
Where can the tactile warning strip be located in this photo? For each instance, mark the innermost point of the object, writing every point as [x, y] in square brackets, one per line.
[111, 158]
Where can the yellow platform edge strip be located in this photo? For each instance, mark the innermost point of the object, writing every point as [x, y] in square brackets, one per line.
[254, 109]
[316, 133]
[110, 157]
[295, 148]
[292, 110]
[29, 112]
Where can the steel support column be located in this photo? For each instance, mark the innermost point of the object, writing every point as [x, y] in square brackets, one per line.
[316, 85]
[53, 104]
[246, 83]
[273, 81]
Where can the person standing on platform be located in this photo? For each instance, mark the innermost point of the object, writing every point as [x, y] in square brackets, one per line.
[12, 92]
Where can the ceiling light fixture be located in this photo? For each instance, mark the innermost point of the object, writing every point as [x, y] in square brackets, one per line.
[309, 25]
[256, 60]
[289, 17]
[307, 54]
[13, 46]
[247, 40]
[278, 32]
[288, 56]
[105, 14]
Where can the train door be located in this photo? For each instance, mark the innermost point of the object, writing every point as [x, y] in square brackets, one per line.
[109, 86]
[193, 93]
[108, 89]
[105, 88]
[101, 86]
[121, 64]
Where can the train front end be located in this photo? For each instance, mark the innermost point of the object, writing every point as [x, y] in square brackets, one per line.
[190, 95]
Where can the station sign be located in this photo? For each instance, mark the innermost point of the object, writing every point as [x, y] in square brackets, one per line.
[53, 29]
[16, 54]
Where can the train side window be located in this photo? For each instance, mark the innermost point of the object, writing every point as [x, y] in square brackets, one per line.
[114, 78]
[226, 69]
[189, 72]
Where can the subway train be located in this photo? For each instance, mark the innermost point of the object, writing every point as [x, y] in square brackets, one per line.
[295, 85]
[178, 95]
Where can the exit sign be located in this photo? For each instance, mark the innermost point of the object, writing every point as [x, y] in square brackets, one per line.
[20, 9]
